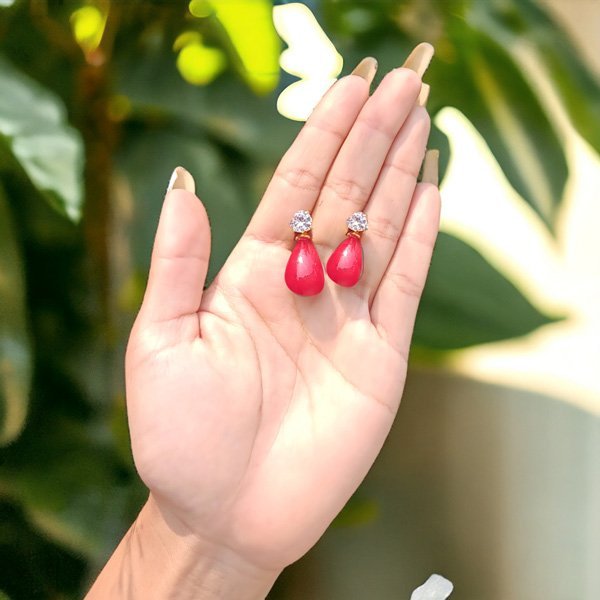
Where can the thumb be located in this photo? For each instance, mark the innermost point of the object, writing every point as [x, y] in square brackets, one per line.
[180, 255]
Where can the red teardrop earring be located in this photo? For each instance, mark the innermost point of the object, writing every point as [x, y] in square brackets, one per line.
[345, 265]
[304, 271]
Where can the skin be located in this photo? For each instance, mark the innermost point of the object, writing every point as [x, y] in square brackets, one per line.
[254, 413]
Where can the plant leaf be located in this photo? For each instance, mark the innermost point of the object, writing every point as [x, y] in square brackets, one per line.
[34, 127]
[467, 302]
[515, 24]
[15, 352]
[87, 503]
[251, 33]
[487, 86]
[152, 86]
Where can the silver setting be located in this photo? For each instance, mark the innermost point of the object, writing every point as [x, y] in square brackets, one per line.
[357, 222]
[301, 221]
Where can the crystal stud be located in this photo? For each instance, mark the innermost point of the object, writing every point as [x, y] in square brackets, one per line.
[301, 221]
[357, 222]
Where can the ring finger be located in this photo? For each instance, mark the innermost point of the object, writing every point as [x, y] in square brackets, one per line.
[388, 206]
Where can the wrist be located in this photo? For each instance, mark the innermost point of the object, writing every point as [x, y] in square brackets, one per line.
[158, 560]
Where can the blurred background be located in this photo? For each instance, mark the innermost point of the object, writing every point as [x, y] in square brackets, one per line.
[491, 475]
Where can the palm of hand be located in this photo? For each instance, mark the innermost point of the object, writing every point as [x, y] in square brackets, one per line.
[254, 413]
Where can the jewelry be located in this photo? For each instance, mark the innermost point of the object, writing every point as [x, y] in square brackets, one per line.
[304, 271]
[345, 265]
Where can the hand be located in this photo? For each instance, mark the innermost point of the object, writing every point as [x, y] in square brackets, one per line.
[255, 413]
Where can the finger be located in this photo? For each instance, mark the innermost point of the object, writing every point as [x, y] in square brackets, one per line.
[179, 258]
[299, 176]
[395, 304]
[388, 206]
[350, 182]
[355, 170]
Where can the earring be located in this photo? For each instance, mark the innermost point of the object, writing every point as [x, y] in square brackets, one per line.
[345, 265]
[304, 271]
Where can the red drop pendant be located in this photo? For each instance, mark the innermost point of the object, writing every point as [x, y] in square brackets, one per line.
[304, 271]
[345, 265]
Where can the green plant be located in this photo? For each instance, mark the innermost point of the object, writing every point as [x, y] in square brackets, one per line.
[96, 103]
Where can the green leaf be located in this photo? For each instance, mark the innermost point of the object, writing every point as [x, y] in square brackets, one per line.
[467, 302]
[486, 85]
[15, 352]
[516, 24]
[34, 127]
[148, 79]
[251, 32]
[579, 92]
[259, 130]
[74, 491]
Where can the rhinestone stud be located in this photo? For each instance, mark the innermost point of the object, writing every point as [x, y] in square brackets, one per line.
[357, 222]
[301, 221]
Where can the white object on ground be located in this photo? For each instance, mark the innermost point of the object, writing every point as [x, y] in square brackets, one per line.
[435, 588]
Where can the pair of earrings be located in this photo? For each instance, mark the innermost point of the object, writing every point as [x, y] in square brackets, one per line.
[304, 271]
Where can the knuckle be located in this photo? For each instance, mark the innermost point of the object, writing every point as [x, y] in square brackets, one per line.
[420, 240]
[406, 284]
[402, 166]
[348, 190]
[377, 123]
[300, 178]
[324, 128]
[385, 227]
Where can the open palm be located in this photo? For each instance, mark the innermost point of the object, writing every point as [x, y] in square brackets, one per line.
[255, 413]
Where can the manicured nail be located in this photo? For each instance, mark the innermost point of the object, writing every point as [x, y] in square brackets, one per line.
[423, 94]
[366, 69]
[181, 180]
[418, 60]
[430, 173]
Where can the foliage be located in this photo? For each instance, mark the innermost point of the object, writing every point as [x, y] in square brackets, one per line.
[101, 100]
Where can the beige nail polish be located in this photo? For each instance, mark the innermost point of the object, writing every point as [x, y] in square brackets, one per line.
[418, 60]
[366, 69]
[430, 173]
[423, 95]
[181, 180]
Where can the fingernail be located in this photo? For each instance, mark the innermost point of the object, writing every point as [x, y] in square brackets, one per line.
[423, 94]
[418, 60]
[181, 180]
[430, 167]
[366, 69]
